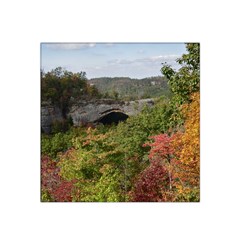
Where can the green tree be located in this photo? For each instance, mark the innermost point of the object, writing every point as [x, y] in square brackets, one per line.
[186, 80]
[62, 88]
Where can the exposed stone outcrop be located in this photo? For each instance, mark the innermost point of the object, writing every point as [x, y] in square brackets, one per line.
[91, 111]
[49, 114]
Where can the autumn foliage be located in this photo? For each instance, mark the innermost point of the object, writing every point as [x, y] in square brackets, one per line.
[54, 188]
[187, 152]
[151, 157]
[174, 170]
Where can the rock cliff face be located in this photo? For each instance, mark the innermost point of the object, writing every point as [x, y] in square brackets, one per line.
[49, 114]
[93, 111]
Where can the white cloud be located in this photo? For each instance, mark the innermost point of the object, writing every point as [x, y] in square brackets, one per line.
[138, 67]
[140, 51]
[149, 60]
[109, 44]
[159, 58]
[120, 61]
[70, 46]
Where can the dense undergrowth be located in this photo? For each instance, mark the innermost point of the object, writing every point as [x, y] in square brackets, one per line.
[153, 156]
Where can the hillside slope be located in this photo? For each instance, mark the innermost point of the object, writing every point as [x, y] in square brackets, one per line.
[130, 89]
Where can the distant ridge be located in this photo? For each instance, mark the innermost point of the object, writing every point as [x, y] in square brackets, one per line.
[131, 88]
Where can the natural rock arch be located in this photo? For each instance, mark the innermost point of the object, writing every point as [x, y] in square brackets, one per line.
[84, 112]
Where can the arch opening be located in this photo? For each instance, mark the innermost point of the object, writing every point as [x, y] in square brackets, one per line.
[112, 117]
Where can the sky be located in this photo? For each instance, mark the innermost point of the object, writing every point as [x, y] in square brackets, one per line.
[135, 60]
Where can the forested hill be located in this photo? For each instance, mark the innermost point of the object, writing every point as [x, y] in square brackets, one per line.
[130, 89]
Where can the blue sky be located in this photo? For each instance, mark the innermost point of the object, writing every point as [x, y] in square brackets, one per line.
[135, 60]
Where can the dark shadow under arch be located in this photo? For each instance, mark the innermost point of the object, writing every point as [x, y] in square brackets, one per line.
[112, 117]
